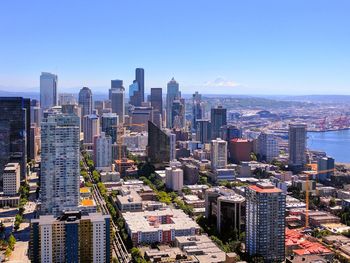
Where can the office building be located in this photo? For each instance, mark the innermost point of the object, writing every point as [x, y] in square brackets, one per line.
[227, 207]
[159, 226]
[135, 141]
[117, 101]
[134, 94]
[140, 116]
[11, 179]
[325, 168]
[161, 145]
[265, 222]
[191, 174]
[60, 156]
[91, 127]
[218, 119]
[109, 123]
[297, 146]
[218, 154]
[72, 237]
[99, 106]
[14, 132]
[156, 100]
[178, 118]
[48, 90]
[229, 132]
[103, 152]
[172, 94]
[174, 178]
[197, 109]
[203, 130]
[140, 79]
[66, 99]
[240, 150]
[115, 85]
[85, 101]
[267, 146]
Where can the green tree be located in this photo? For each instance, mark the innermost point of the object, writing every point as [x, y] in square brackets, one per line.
[11, 242]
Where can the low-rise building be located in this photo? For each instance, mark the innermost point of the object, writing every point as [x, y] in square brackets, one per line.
[201, 247]
[159, 226]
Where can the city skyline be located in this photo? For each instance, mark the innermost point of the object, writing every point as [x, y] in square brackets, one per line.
[246, 48]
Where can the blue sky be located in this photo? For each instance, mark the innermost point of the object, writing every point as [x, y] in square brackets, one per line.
[231, 47]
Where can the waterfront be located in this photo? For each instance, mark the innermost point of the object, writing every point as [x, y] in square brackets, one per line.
[335, 143]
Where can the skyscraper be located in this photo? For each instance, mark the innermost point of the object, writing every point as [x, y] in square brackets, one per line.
[85, 101]
[60, 171]
[157, 99]
[91, 127]
[218, 119]
[161, 145]
[72, 237]
[203, 130]
[115, 84]
[178, 118]
[14, 132]
[140, 78]
[218, 154]
[229, 132]
[197, 109]
[109, 123]
[117, 99]
[134, 94]
[48, 90]
[172, 94]
[297, 146]
[265, 222]
[267, 146]
[103, 152]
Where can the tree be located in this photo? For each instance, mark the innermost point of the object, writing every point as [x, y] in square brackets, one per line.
[186, 191]
[11, 242]
[332, 202]
[8, 252]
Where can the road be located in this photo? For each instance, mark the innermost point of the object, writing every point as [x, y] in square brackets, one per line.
[119, 248]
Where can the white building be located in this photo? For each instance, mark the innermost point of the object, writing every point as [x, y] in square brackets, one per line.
[48, 90]
[60, 171]
[174, 178]
[218, 154]
[136, 140]
[267, 146]
[103, 152]
[11, 179]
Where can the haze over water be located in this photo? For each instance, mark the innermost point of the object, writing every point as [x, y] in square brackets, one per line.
[335, 143]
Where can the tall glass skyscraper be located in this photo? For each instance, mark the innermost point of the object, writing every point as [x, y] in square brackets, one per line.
[117, 99]
[60, 171]
[85, 101]
[140, 78]
[218, 119]
[172, 94]
[14, 132]
[48, 90]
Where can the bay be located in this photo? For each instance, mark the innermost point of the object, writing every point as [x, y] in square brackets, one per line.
[335, 143]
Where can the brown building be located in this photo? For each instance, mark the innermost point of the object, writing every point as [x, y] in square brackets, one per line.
[240, 150]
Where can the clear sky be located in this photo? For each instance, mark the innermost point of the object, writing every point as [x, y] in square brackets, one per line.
[232, 46]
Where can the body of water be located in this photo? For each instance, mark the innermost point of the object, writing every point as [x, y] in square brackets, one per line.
[335, 143]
